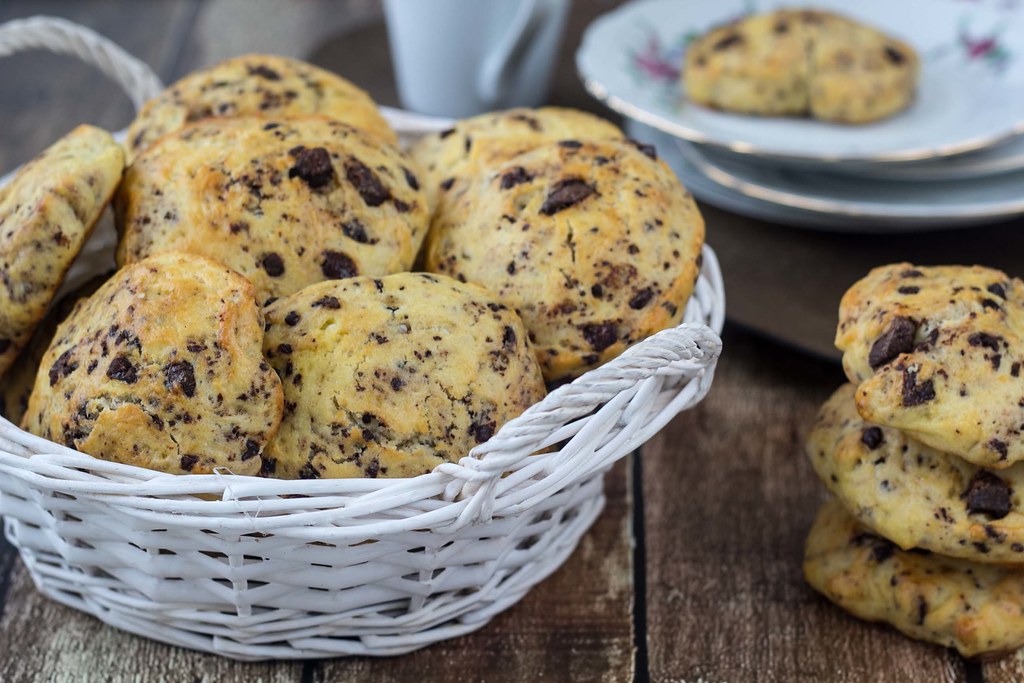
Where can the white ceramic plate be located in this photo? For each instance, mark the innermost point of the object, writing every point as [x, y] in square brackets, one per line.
[729, 199]
[971, 94]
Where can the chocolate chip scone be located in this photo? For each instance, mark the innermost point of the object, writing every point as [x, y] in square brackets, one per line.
[450, 158]
[914, 495]
[46, 214]
[937, 352]
[801, 62]
[973, 607]
[595, 244]
[17, 383]
[256, 85]
[284, 202]
[162, 368]
[390, 377]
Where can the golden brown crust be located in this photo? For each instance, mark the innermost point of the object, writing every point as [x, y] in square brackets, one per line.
[938, 352]
[284, 202]
[162, 368]
[453, 157]
[390, 377]
[595, 244]
[801, 62]
[46, 214]
[255, 85]
[973, 607]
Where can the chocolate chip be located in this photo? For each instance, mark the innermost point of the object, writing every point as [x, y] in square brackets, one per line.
[308, 472]
[516, 176]
[989, 303]
[872, 437]
[62, 367]
[252, 449]
[648, 150]
[781, 27]
[882, 550]
[397, 383]
[642, 298]
[188, 462]
[313, 166]
[446, 184]
[366, 183]
[911, 272]
[284, 348]
[122, 370]
[445, 133]
[600, 335]
[195, 347]
[894, 55]
[273, 264]
[410, 179]
[354, 230]
[915, 394]
[997, 289]
[922, 609]
[597, 291]
[482, 431]
[292, 319]
[337, 265]
[898, 338]
[269, 467]
[999, 447]
[908, 290]
[988, 494]
[327, 302]
[727, 42]
[566, 193]
[985, 340]
[508, 339]
[264, 71]
[180, 374]
[400, 206]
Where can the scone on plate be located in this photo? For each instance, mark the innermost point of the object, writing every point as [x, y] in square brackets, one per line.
[17, 383]
[914, 495]
[255, 85]
[162, 367]
[595, 244]
[389, 377]
[802, 62]
[452, 157]
[938, 352]
[285, 202]
[972, 607]
[47, 212]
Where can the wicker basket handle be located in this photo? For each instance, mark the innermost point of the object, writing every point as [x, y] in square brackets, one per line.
[64, 37]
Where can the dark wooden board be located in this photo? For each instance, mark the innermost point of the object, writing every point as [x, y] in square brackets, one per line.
[728, 497]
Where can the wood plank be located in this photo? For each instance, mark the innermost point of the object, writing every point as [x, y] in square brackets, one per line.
[728, 499]
[55, 643]
[575, 626]
[44, 95]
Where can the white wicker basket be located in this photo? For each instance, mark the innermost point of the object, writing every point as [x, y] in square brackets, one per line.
[256, 568]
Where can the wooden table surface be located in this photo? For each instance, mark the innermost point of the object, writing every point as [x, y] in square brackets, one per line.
[691, 574]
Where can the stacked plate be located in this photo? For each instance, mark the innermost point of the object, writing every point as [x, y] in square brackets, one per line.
[955, 157]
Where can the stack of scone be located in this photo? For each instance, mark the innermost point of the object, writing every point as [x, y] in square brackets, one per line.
[923, 453]
[264, 319]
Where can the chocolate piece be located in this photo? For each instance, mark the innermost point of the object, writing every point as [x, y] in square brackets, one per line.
[188, 462]
[642, 298]
[314, 167]
[354, 230]
[988, 494]
[898, 338]
[327, 302]
[482, 431]
[366, 183]
[62, 367]
[915, 394]
[252, 449]
[648, 150]
[985, 340]
[727, 42]
[908, 290]
[410, 179]
[566, 193]
[516, 176]
[292, 319]
[600, 335]
[122, 370]
[997, 289]
[273, 264]
[180, 374]
[337, 265]
[894, 55]
[872, 437]
[265, 72]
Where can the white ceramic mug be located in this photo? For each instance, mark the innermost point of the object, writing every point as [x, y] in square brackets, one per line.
[463, 57]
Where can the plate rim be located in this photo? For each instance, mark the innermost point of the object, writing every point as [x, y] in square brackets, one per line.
[600, 92]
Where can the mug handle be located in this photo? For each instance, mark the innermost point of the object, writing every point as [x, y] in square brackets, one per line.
[493, 79]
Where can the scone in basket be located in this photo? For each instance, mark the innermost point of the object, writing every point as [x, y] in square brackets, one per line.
[254, 568]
